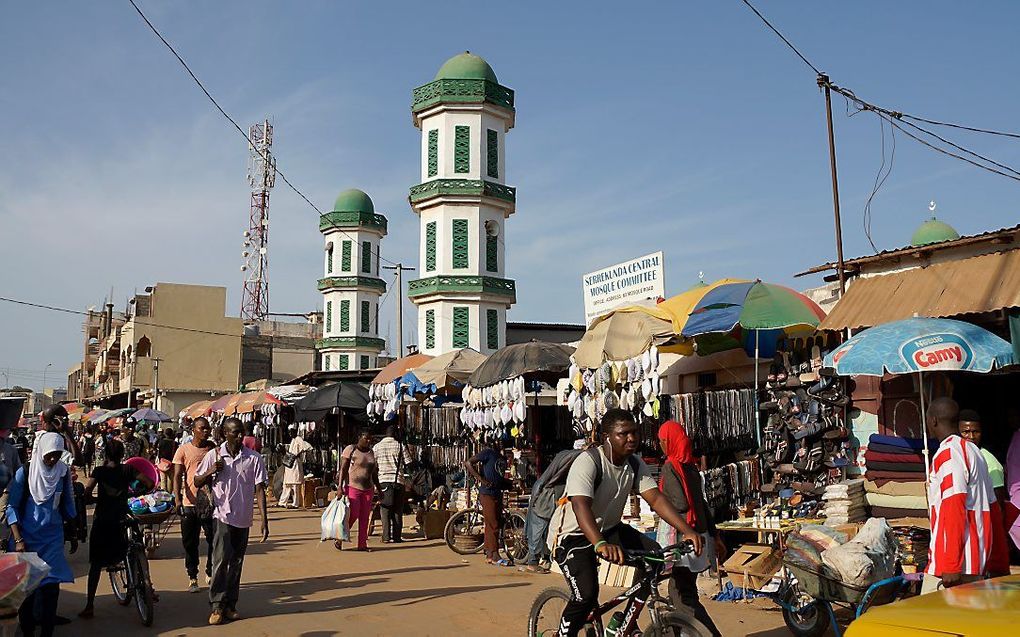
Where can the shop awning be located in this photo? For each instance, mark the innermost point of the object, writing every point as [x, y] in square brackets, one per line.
[987, 283]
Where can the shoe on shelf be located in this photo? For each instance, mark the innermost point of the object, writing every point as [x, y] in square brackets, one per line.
[216, 618]
[193, 586]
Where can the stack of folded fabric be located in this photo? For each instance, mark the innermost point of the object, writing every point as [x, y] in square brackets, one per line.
[844, 503]
[897, 499]
[890, 458]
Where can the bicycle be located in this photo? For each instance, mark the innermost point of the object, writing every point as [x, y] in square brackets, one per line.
[471, 523]
[665, 620]
[130, 579]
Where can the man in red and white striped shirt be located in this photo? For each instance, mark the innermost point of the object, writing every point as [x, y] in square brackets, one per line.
[967, 537]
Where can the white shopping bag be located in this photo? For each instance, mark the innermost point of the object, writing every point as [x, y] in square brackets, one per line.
[335, 520]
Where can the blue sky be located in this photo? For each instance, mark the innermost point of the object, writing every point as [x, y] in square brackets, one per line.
[677, 126]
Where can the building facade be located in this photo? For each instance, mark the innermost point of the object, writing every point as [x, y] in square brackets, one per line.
[352, 283]
[173, 345]
[462, 203]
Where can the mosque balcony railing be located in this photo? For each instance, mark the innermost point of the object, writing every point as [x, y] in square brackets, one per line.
[358, 342]
[351, 282]
[461, 91]
[470, 187]
[469, 284]
[352, 220]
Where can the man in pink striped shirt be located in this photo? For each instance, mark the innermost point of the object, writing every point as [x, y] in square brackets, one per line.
[968, 541]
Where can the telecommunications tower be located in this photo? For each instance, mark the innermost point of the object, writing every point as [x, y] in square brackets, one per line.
[261, 177]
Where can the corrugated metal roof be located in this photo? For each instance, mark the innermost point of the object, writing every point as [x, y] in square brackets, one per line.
[1002, 235]
[986, 283]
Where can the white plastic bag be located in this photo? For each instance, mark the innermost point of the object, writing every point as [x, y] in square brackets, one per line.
[335, 520]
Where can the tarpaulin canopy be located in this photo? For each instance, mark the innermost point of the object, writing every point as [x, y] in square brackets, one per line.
[399, 367]
[351, 398]
[194, 410]
[551, 359]
[451, 367]
[987, 283]
[221, 404]
[250, 401]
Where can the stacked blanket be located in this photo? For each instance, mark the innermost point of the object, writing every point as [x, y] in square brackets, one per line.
[894, 459]
[844, 503]
[896, 499]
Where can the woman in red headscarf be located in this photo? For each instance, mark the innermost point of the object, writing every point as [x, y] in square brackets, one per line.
[681, 484]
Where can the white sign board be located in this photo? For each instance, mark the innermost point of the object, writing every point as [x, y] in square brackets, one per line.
[622, 284]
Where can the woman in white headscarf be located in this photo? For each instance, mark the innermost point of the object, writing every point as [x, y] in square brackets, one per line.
[41, 497]
[294, 475]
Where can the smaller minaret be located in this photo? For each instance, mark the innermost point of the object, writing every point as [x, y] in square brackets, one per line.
[351, 286]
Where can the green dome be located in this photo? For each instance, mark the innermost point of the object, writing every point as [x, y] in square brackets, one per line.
[353, 200]
[466, 66]
[933, 231]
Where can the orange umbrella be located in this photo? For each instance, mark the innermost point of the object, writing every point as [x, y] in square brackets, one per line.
[250, 401]
[194, 410]
[399, 367]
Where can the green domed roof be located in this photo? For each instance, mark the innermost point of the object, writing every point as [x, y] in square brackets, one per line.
[466, 66]
[933, 231]
[353, 200]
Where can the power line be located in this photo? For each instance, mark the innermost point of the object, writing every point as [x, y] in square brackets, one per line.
[781, 37]
[892, 116]
[248, 141]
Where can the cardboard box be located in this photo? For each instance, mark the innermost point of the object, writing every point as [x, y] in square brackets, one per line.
[435, 523]
[752, 565]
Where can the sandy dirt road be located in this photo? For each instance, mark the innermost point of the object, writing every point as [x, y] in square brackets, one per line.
[295, 586]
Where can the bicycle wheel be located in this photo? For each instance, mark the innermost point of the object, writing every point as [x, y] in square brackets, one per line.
[120, 585]
[464, 524]
[142, 585]
[546, 611]
[515, 540]
[677, 624]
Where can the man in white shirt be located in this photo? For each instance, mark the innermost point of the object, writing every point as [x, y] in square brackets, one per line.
[591, 523]
[392, 459]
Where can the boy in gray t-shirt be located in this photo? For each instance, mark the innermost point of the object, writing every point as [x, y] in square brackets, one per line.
[591, 523]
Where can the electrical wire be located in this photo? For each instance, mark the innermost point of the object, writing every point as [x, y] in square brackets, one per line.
[248, 141]
[879, 180]
[783, 38]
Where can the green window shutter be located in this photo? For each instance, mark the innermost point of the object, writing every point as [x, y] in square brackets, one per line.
[433, 153]
[461, 326]
[492, 153]
[345, 316]
[345, 257]
[366, 324]
[460, 243]
[461, 149]
[492, 329]
[326, 362]
[329, 316]
[430, 328]
[343, 362]
[430, 246]
[364, 362]
[366, 257]
[329, 260]
[491, 254]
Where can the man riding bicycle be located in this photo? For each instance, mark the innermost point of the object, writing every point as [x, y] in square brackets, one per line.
[590, 521]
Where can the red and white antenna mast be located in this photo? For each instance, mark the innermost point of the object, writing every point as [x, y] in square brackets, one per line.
[261, 177]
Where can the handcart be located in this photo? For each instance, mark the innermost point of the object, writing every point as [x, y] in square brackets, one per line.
[808, 596]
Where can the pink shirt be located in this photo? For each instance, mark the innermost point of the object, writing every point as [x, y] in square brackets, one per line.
[234, 487]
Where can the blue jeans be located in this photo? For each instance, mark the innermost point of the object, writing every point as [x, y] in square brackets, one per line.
[536, 529]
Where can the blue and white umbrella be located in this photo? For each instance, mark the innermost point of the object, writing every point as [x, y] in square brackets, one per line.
[918, 345]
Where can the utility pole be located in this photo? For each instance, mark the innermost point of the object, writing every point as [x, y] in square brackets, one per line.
[399, 269]
[155, 383]
[823, 83]
[44, 372]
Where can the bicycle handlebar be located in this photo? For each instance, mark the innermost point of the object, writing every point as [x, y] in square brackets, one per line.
[659, 555]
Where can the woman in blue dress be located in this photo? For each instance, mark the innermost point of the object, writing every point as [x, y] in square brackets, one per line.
[41, 497]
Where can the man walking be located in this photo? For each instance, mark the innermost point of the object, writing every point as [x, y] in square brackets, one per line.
[392, 458]
[967, 537]
[195, 506]
[237, 474]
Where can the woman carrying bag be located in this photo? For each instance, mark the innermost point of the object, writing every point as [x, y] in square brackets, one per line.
[41, 498]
